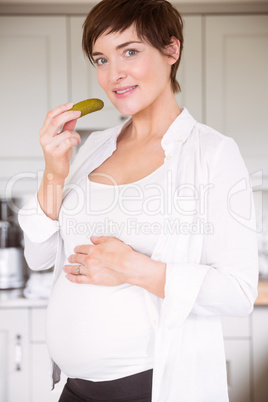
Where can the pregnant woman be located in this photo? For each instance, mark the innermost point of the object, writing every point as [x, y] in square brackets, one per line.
[150, 230]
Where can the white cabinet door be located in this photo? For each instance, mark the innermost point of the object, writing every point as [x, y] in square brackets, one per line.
[14, 355]
[39, 361]
[238, 369]
[191, 68]
[236, 327]
[237, 83]
[237, 341]
[33, 80]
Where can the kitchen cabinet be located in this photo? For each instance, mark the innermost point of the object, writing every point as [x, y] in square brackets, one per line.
[238, 370]
[33, 80]
[246, 349]
[237, 342]
[24, 359]
[190, 71]
[14, 355]
[223, 75]
[39, 361]
[84, 78]
[24, 356]
[236, 83]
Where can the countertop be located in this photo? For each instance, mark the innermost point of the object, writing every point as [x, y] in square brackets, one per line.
[22, 302]
[15, 298]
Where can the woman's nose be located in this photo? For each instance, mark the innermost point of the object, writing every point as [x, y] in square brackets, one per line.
[117, 72]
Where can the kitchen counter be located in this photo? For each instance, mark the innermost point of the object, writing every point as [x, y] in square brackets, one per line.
[35, 293]
[22, 302]
[15, 298]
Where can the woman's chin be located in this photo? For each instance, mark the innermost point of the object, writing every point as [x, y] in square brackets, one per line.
[126, 109]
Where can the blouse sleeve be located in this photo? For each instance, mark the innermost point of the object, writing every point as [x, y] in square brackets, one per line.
[225, 283]
[40, 235]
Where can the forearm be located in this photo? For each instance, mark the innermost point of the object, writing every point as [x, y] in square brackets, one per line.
[50, 195]
[146, 273]
[40, 256]
[40, 235]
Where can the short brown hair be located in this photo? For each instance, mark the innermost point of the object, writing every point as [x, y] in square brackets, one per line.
[156, 21]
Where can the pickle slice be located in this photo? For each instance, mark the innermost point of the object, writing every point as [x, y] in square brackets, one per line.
[88, 106]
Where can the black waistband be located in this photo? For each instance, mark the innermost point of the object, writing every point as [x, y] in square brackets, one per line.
[133, 386]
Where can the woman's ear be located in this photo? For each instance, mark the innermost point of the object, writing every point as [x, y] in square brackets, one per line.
[173, 50]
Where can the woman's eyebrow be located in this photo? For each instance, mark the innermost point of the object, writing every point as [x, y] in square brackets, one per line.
[117, 47]
[126, 44]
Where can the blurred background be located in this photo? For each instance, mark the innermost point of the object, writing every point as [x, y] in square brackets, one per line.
[224, 81]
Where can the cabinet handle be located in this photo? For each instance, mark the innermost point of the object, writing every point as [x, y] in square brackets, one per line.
[18, 353]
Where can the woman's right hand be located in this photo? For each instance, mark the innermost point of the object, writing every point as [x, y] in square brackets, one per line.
[58, 147]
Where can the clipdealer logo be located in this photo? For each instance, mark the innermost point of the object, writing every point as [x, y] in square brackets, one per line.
[185, 199]
[136, 227]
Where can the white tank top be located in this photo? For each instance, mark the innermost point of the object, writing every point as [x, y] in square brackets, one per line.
[102, 333]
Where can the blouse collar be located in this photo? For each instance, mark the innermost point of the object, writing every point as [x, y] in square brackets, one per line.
[177, 132]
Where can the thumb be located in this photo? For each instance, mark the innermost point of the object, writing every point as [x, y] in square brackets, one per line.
[96, 239]
[70, 125]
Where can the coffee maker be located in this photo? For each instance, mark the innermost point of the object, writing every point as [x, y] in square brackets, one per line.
[13, 267]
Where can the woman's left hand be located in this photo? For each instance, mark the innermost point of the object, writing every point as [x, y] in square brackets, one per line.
[103, 263]
[111, 262]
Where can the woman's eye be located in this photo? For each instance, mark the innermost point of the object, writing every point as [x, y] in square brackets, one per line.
[131, 52]
[100, 61]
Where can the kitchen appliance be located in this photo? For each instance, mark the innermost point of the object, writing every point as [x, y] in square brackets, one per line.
[13, 267]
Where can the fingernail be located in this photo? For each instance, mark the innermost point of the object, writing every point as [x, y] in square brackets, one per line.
[77, 112]
[69, 105]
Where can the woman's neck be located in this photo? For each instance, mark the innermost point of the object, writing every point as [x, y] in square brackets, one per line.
[155, 120]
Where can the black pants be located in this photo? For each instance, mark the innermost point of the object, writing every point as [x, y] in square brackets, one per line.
[134, 388]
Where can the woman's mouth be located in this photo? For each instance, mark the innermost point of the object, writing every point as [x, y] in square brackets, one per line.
[123, 91]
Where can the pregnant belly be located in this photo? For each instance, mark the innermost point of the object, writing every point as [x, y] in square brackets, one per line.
[99, 332]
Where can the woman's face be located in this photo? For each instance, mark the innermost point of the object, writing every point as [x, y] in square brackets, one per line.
[133, 73]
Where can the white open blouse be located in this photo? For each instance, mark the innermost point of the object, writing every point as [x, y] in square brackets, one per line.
[113, 325]
[211, 258]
